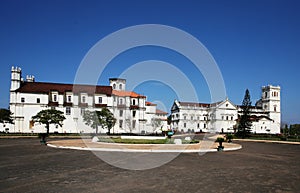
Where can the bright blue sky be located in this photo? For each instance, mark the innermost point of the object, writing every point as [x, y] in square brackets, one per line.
[255, 43]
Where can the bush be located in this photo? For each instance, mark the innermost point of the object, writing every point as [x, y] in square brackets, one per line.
[229, 138]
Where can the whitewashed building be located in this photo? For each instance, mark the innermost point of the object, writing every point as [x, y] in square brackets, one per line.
[222, 116]
[28, 97]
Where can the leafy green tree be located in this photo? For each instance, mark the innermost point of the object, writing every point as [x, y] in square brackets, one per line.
[103, 118]
[5, 116]
[244, 122]
[295, 129]
[48, 117]
[91, 118]
[169, 119]
[109, 118]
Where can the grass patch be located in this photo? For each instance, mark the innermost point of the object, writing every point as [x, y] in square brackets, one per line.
[144, 141]
[135, 141]
[270, 137]
[190, 142]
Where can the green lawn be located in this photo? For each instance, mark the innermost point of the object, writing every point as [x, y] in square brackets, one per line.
[143, 141]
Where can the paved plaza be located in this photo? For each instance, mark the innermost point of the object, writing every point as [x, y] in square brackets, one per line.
[27, 166]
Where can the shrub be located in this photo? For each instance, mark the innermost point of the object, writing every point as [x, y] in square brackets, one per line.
[229, 138]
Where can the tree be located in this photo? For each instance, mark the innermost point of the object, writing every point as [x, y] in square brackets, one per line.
[295, 129]
[155, 122]
[5, 116]
[169, 119]
[244, 122]
[91, 118]
[109, 119]
[103, 118]
[48, 117]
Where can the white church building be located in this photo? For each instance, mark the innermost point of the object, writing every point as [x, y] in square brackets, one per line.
[222, 116]
[27, 97]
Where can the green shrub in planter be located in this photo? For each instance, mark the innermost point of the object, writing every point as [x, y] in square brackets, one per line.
[220, 140]
[229, 138]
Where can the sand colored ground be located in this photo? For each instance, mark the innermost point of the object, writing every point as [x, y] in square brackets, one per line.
[87, 143]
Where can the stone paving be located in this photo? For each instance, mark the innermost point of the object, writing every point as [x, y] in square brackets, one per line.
[28, 166]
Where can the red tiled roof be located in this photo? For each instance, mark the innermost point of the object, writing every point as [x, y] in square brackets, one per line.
[123, 93]
[45, 87]
[192, 104]
[150, 104]
[161, 112]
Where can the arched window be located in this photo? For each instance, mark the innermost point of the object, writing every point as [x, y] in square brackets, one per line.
[114, 86]
[120, 86]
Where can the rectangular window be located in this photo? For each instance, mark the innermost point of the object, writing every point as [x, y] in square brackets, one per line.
[121, 123]
[99, 100]
[69, 99]
[38, 100]
[68, 110]
[54, 98]
[121, 113]
[22, 100]
[184, 125]
[120, 101]
[133, 113]
[82, 111]
[83, 99]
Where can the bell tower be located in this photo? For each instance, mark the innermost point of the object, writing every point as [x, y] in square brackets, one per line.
[271, 102]
[117, 83]
[16, 74]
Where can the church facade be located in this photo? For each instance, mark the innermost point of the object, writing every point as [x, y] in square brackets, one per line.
[131, 110]
[222, 116]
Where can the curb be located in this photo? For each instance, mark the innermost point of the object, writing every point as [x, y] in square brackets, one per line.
[144, 150]
[268, 141]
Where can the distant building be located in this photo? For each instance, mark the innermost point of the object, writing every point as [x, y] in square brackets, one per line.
[222, 116]
[28, 97]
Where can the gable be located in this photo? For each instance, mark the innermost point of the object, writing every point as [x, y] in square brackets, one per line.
[175, 106]
[227, 104]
